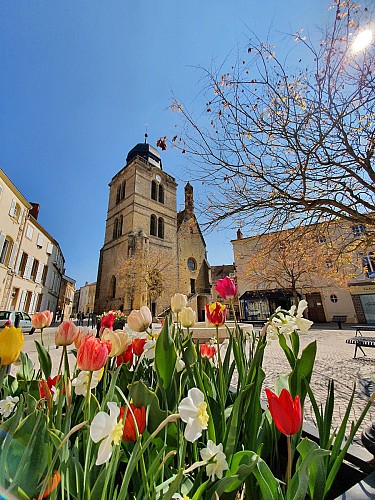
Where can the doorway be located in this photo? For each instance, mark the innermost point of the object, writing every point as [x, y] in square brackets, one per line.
[315, 309]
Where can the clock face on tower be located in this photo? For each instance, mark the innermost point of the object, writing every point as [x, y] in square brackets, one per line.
[158, 178]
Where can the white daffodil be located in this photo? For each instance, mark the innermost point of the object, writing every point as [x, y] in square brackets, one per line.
[107, 429]
[193, 411]
[7, 405]
[178, 496]
[302, 324]
[80, 383]
[216, 460]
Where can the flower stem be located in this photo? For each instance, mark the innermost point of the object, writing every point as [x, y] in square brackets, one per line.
[289, 465]
[88, 397]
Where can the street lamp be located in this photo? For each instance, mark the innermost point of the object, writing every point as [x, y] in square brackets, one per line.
[362, 40]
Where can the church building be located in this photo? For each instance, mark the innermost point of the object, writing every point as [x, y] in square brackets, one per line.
[150, 251]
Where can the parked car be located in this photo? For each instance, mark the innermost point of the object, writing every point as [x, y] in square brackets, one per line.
[18, 319]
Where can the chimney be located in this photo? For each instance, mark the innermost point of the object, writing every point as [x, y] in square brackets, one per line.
[239, 234]
[34, 211]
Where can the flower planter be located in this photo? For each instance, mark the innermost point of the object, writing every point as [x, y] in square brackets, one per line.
[118, 325]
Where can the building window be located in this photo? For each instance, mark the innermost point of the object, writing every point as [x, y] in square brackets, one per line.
[34, 269]
[115, 229]
[5, 251]
[333, 298]
[119, 229]
[123, 186]
[153, 225]
[191, 263]
[118, 195]
[192, 286]
[161, 194]
[153, 190]
[113, 287]
[29, 232]
[161, 228]
[358, 230]
[321, 238]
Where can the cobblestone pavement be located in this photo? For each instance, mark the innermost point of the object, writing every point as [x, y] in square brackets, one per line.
[334, 360]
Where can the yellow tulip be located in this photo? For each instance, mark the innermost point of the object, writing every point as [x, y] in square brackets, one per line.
[11, 342]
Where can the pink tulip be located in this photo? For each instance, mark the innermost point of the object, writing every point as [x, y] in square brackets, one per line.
[66, 333]
[226, 288]
[41, 319]
[93, 353]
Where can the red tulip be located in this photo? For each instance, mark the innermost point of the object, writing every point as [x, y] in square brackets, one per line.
[107, 321]
[138, 346]
[129, 433]
[207, 351]
[45, 386]
[216, 313]
[125, 357]
[93, 353]
[286, 413]
[226, 288]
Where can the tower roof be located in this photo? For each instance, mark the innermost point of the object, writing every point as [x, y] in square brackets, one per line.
[147, 152]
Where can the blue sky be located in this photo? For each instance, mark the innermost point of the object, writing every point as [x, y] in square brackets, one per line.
[80, 79]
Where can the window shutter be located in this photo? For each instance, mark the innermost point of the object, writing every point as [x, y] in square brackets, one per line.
[29, 232]
[20, 216]
[18, 263]
[12, 208]
[39, 273]
[13, 255]
[23, 300]
[28, 267]
[32, 305]
[40, 240]
[49, 248]
[2, 239]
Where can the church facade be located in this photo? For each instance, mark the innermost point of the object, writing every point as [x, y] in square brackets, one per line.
[150, 251]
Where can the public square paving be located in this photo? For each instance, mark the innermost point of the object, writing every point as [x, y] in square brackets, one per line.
[334, 360]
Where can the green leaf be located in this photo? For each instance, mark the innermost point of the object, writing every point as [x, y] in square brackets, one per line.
[288, 351]
[142, 396]
[165, 356]
[302, 372]
[44, 359]
[26, 370]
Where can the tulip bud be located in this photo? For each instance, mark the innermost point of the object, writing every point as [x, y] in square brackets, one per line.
[216, 313]
[226, 287]
[178, 301]
[41, 319]
[140, 320]
[119, 341]
[187, 317]
[83, 332]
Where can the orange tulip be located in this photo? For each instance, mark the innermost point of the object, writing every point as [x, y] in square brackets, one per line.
[41, 319]
[93, 353]
[207, 351]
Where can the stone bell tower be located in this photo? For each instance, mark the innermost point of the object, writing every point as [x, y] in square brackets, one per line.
[138, 261]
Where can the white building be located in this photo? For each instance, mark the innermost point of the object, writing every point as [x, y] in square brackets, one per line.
[31, 262]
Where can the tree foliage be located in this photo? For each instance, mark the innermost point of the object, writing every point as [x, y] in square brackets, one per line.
[290, 143]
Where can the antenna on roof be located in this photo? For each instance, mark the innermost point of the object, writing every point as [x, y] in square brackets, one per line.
[146, 135]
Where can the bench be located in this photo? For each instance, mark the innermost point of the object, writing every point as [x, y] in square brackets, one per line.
[359, 340]
[339, 319]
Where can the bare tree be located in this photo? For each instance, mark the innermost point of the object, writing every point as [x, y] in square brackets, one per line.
[285, 147]
[295, 261]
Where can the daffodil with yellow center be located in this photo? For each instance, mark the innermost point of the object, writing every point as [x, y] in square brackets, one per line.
[107, 429]
[193, 411]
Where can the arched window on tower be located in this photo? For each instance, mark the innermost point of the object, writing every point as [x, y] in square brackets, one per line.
[119, 229]
[113, 287]
[123, 186]
[153, 225]
[118, 195]
[161, 194]
[161, 228]
[115, 228]
[153, 191]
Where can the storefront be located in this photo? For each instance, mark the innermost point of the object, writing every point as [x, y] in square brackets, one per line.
[259, 305]
[363, 296]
